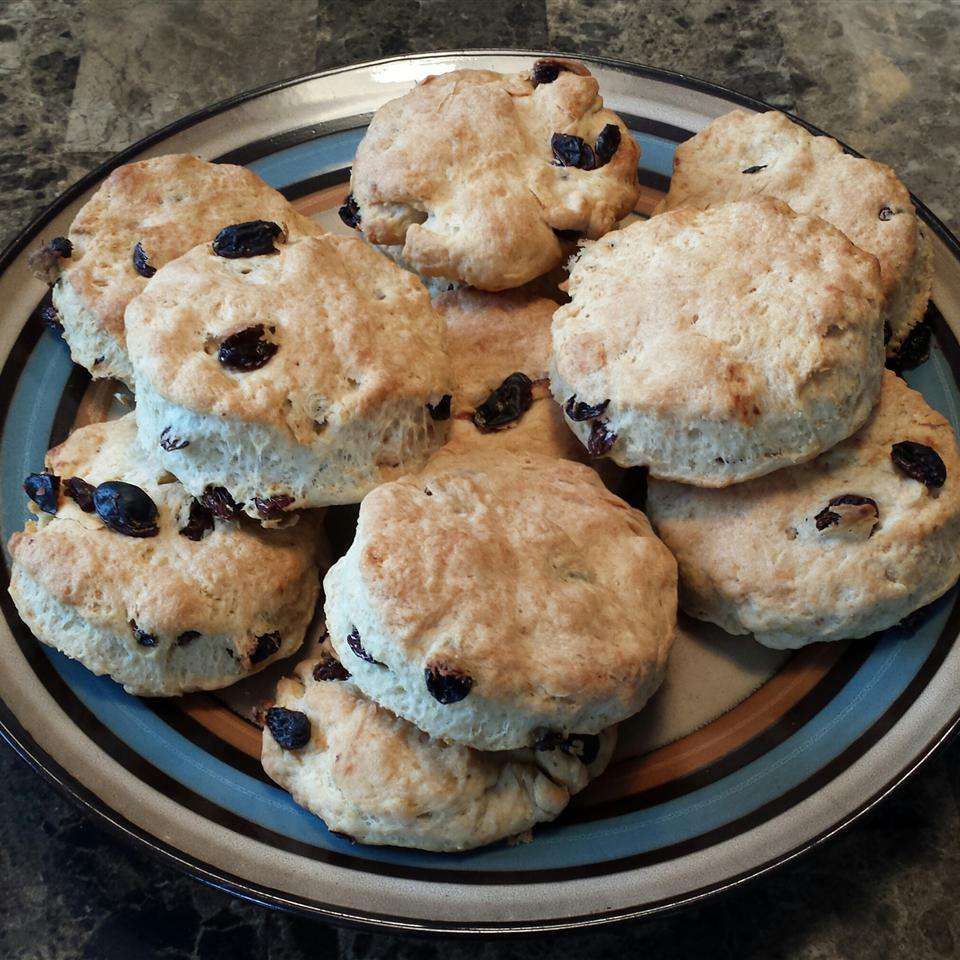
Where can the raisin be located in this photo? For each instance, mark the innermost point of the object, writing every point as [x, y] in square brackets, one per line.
[330, 669]
[80, 492]
[50, 318]
[506, 404]
[290, 728]
[246, 350]
[447, 685]
[441, 409]
[43, 489]
[914, 350]
[62, 247]
[273, 508]
[267, 645]
[353, 642]
[864, 516]
[141, 262]
[601, 439]
[545, 71]
[584, 746]
[45, 262]
[170, 442]
[199, 521]
[350, 213]
[886, 213]
[188, 636]
[142, 637]
[607, 144]
[756, 169]
[219, 502]
[571, 151]
[252, 238]
[919, 462]
[584, 411]
[126, 509]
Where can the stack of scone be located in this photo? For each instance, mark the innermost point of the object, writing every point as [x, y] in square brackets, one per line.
[500, 610]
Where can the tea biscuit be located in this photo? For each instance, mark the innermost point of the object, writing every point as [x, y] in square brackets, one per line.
[843, 546]
[166, 613]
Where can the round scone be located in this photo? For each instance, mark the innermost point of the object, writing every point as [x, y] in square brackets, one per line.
[302, 378]
[494, 599]
[124, 571]
[474, 171]
[144, 215]
[840, 547]
[378, 779]
[499, 349]
[718, 345]
[741, 155]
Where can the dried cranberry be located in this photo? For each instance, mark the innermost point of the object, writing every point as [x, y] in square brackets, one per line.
[441, 409]
[330, 669]
[199, 521]
[252, 238]
[219, 502]
[142, 637]
[50, 318]
[546, 71]
[584, 411]
[447, 685]
[80, 492]
[584, 746]
[350, 213]
[571, 151]
[126, 509]
[506, 404]
[919, 462]
[246, 350]
[43, 489]
[829, 517]
[267, 645]
[290, 728]
[607, 144]
[601, 439]
[914, 350]
[756, 169]
[170, 442]
[353, 642]
[273, 508]
[886, 213]
[141, 262]
[188, 636]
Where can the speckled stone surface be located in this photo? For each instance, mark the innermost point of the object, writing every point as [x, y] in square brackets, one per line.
[79, 81]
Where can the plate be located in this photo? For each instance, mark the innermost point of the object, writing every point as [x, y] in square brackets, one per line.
[745, 758]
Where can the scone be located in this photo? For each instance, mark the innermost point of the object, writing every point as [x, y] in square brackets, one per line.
[499, 349]
[843, 546]
[124, 571]
[494, 599]
[473, 172]
[144, 215]
[718, 345]
[741, 155]
[380, 780]
[296, 378]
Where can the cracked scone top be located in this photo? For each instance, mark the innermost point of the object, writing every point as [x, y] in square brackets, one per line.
[493, 598]
[842, 546]
[300, 378]
[378, 779]
[168, 613]
[718, 345]
[167, 205]
[741, 155]
[461, 171]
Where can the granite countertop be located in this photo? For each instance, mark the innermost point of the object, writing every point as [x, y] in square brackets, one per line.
[81, 80]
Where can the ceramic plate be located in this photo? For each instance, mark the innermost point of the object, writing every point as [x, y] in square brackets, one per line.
[745, 758]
